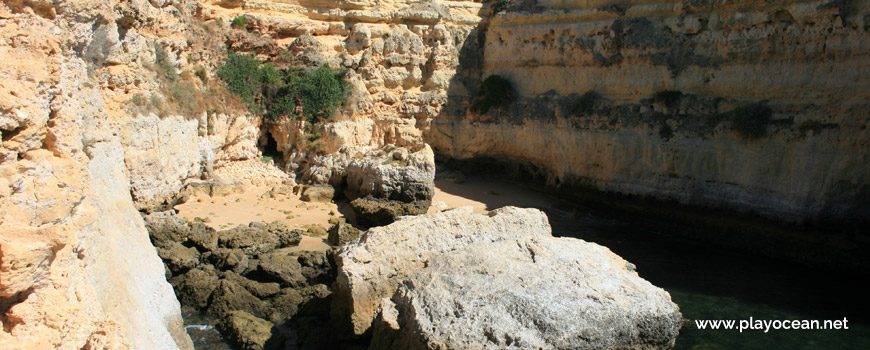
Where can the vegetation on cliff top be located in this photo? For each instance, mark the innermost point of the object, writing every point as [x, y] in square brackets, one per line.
[294, 92]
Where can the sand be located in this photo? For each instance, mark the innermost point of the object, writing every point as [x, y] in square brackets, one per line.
[485, 195]
[240, 209]
[230, 211]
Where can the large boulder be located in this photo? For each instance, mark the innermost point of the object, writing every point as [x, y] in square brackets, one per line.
[396, 174]
[165, 227]
[534, 293]
[195, 287]
[247, 332]
[318, 193]
[230, 296]
[226, 259]
[202, 237]
[372, 211]
[253, 239]
[286, 236]
[282, 267]
[373, 267]
[177, 257]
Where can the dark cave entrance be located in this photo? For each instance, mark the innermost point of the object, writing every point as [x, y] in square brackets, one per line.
[268, 146]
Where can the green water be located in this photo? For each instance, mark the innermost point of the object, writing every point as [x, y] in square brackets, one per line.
[710, 282]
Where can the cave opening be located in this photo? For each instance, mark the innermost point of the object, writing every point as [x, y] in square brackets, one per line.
[268, 146]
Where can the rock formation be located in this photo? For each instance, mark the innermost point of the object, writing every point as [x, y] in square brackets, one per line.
[241, 276]
[456, 280]
[383, 184]
[372, 267]
[650, 99]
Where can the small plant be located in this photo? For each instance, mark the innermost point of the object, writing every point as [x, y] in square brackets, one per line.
[137, 100]
[239, 22]
[585, 104]
[495, 91]
[162, 63]
[751, 121]
[201, 74]
[157, 103]
[665, 132]
[499, 6]
[670, 98]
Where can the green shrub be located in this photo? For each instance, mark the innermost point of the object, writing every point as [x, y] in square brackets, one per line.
[499, 6]
[321, 92]
[495, 91]
[585, 103]
[279, 92]
[669, 98]
[666, 132]
[201, 74]
[242, 75]
[137, 99]
[162, 63]
[751, 121]
[239, 22]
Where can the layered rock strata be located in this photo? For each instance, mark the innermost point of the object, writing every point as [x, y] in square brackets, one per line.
[654, 99]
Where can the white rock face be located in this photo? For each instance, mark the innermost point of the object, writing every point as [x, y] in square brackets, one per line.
[458, 280]
[388, 173]
[372, 267]
[534, 293]
[116, 248]
[162, 152]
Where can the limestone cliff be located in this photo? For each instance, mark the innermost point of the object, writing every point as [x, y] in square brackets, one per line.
[673, 89]
[752, 106]
[95, 126]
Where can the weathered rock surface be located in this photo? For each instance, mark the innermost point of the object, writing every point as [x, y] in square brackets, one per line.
[240, 269]
[248, 332]
[282, 267]
[376, 173]
[195, 287]
[373, 267]
[372, 212]
[318, 193]
[811, 162]
[534, 293]
[341, 233]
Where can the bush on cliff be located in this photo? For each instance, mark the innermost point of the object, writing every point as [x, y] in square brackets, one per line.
[585, 103]
[495, 91]
[751, 121]
[294, 92]
[239, 22]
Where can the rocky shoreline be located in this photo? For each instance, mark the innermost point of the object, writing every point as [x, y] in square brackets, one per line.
[412, 284]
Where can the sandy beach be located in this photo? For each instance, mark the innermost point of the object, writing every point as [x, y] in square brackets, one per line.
[255, 204]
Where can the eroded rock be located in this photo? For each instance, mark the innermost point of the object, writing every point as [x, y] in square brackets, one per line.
[537, 292]
[318, 193]
[341, 233]
[248, 332]
[374, 266]
[372, 212]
